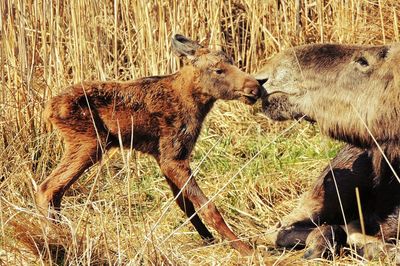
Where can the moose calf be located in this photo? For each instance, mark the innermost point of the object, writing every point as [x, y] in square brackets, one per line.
[161, 116]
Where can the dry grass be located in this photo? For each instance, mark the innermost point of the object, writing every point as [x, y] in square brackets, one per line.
[113, 215]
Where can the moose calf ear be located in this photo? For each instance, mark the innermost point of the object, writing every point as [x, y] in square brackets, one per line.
[183, 46]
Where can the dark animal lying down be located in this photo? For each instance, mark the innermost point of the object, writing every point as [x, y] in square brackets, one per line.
[353, 93]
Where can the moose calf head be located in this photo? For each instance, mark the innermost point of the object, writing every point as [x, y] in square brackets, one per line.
[217, 77]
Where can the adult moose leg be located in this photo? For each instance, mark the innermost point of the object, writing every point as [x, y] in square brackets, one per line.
[187, 206]
[179, 172]
[77, 158]
[351, 168]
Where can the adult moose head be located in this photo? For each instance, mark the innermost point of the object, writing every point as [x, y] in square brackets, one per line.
[342, 87]
[352, 92]
[161, 116]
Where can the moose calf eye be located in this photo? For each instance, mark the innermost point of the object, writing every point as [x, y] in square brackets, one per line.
[218, 71]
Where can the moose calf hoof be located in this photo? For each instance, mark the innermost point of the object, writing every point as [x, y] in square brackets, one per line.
[325, 242]
[243, 248]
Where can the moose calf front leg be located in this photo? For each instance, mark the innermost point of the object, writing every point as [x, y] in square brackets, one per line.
[187, 206]
[179, 173]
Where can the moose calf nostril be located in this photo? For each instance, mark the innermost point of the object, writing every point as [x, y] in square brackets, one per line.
[256, 92]
[252, 91]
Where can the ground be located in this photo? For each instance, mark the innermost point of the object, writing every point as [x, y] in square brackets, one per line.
[121, 211]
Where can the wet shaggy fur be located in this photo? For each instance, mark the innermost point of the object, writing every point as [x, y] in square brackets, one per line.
[353, 93]
[160, 116]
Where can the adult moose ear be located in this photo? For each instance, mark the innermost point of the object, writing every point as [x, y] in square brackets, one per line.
[183, 46]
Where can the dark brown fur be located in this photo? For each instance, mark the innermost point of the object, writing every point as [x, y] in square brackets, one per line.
[160, 116]
[348, 90]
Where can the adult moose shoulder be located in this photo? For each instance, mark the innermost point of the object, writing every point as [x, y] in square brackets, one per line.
[161, 116]
[353, 93]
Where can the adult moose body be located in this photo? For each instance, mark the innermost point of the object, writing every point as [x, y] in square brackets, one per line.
[160, 116]
[353, 93]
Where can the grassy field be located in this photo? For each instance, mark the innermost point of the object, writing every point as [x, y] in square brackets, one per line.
[121, 211]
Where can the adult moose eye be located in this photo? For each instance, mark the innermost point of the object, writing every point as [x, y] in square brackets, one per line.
[362, 61]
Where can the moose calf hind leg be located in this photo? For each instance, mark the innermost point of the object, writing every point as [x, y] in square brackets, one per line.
[76, 160]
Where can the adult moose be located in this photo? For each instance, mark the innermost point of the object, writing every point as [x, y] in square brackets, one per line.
[161, 116]
[353, 93]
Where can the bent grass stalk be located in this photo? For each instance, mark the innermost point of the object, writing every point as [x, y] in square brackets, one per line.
[48, 46]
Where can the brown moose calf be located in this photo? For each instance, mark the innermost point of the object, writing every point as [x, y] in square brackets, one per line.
[160, 116]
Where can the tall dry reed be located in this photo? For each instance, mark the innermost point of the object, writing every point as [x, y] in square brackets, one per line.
[48, 45]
